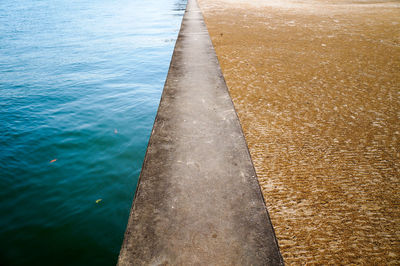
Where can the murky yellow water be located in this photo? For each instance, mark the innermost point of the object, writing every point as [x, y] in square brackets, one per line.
[316, 86]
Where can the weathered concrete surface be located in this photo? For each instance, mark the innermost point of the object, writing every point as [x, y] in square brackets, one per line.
[198, 200]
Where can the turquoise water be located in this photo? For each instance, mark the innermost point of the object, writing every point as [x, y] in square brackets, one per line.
[80, 83]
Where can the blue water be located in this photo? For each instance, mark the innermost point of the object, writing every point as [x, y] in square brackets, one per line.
[80, 83]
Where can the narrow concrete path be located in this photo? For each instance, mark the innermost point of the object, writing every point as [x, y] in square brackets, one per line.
[198, 200]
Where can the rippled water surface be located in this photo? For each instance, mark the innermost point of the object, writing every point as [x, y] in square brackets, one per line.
[316, 85]
[80, 83]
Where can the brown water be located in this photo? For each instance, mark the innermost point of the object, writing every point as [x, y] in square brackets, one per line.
[316, 86]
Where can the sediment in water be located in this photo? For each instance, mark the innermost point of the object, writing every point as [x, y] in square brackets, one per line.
[316, 88]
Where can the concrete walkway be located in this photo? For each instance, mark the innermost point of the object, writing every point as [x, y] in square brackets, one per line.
[198, 201]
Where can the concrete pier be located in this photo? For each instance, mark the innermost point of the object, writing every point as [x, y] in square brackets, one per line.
[198, 200]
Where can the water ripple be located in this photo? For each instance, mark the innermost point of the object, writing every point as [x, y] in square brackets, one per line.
[80, 83]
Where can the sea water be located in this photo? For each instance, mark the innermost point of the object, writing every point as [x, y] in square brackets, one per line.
[80, 83]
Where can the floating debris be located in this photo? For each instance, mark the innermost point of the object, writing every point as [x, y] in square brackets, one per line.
[97, 201]
[52, 161]
[115, 131]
